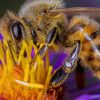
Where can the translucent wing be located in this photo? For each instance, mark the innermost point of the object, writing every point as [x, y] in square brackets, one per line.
[90, 11]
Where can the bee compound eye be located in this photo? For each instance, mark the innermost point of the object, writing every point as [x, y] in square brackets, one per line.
[17, 30]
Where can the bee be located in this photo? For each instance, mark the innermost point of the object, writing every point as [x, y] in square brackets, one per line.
[50, 23]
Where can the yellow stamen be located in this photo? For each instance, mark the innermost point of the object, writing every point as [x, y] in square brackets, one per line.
[39, 86]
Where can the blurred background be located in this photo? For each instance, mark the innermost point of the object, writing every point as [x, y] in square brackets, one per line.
[81, 81]
[14, 5]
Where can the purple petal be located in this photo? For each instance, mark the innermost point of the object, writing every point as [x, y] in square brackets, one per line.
[57, 58]
[0, 62]
[83, 97]
[32, 53]
[89, 97]
[1, 37]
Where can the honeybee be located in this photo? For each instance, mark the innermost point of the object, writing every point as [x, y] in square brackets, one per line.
[49, 22]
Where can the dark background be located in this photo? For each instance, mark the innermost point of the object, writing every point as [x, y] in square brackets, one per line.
[14, 5]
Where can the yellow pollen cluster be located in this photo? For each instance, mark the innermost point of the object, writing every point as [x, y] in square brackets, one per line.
[28, 78]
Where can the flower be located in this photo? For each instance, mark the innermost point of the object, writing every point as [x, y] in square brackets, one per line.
[24, 77]
[88, 97]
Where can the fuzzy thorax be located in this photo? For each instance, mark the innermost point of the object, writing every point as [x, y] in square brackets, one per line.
[31, 7]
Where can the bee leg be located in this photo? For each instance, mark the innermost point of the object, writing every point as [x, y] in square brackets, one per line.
[80, 75]
[49, 39]
[11, 53]
[42, 50]
[73, 57]
[62, 73]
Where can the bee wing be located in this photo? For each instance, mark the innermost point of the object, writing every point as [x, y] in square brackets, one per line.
[90, 11]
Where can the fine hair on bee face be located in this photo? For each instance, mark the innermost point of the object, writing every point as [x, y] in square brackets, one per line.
[50, 23]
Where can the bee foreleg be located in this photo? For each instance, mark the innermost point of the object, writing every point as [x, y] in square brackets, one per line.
[73, 57]
[61, 74]
[49, 39]
[42, 50]
[10, 49]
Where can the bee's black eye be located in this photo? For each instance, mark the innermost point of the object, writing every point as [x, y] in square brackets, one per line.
[17, 30]
[34, 36]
